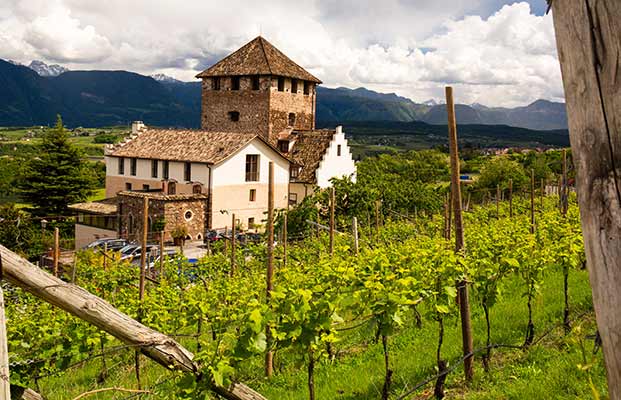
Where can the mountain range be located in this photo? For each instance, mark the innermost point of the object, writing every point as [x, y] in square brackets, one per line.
[34, 95]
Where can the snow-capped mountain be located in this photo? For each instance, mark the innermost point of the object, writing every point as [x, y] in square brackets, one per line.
[46, 70]
[164, 78]
[431, 102]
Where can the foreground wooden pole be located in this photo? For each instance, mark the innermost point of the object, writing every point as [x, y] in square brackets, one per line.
[464, 303]
[284, 238]
[98, 312]
[5, 386]
[510, 198]
[354, 224]
[269, 356]
[143, 268]
[589, 49]
[497, 201]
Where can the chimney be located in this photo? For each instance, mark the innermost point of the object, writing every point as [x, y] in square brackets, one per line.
[137, 127]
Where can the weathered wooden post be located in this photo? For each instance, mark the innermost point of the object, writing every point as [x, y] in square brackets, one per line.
[233, 232]
[284, 238]
[497, 201]
[332, 201]
[162, 254]
[56, 254]
[543, 193]
[354, 225]
[464, 303]
[532, 201]
[589, 47]
[510, 198]
[5, 386]
[143, 267]
[269, 355]
[564, 193]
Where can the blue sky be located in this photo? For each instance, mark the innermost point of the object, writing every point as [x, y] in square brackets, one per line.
[495, 52]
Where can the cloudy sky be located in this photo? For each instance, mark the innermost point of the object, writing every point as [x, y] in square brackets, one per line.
[494, 52]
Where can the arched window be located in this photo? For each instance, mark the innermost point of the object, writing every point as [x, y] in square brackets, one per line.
[197, 188]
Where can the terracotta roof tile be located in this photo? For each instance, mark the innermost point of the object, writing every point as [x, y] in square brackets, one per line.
[258, 57]
[182, 145]
[105, 206]
[308, 151]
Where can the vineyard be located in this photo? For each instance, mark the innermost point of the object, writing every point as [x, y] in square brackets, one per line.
[382, 323]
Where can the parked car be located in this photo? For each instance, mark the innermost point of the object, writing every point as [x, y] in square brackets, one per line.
[112, 244]
[248, 237]
[132, 251]
[213, 236]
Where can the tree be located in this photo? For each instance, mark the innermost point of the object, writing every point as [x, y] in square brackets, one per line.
[498, 171]
[18, 232]
[58, 176]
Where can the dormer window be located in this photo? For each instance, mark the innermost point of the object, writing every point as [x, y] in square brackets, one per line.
[306, 87]
[234, 116]
[281, 84]
[256, 82]
[235, 83]
[283, 146]
[294, 86]
[291, 119]
[215, 83]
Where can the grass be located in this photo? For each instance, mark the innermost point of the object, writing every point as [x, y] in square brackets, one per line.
[549, 370]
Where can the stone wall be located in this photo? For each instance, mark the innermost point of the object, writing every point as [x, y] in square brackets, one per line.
[262, 111]
[116, 184]
[173, 212]
[252, 106]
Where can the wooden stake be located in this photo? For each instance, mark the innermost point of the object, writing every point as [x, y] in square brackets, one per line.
[464, 303]
[162, 254]
[143, 267]
[56, 255]
[543, 194]
[532, 201]
[497, 201]
[588, 41]
[233, 228]
[5, 386]
[284, 238]
[354, 225]
[446, 221]
[450, 214]
[332, 201]
[560, 194]
[269, 356]
[510, 198]
[564, 195]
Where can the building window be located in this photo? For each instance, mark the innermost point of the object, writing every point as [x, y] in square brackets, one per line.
[338, 150]
[235, 83]
[253, 194]
[121, 166]
[295, 171]
[250, 223]
[252, 167]
[294, 86]
[145, 187]
[165, 170]
[293, 198]
[154, 165]
[281, 84]
[283, 146]
[132, 167]
[234, 116]
[128, 186]
[291, 119]
[197, 189]
[306, 87]
[255, 82]
[187, 171]
[215, 83]
[172, 188]
[188, 215]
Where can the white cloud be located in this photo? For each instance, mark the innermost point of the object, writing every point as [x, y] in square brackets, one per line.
[412, 47]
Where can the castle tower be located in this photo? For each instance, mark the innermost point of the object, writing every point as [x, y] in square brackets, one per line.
[258, 89]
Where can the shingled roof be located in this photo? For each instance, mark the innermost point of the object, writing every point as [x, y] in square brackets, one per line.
[308, 151]
[184, 145]
[258, 57]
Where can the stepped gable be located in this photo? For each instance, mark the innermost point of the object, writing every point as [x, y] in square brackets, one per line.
[308, 150]
[258, 57]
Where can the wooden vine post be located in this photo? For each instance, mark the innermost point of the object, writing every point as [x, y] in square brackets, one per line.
[269, 355]
[143, 267]
[332, 201]
[497, 201]
[589, 49]
[354, 224]
[284, 238]
[233, 232]
[543, 193]
[464, 303]
[510, 198]
[56, 254]
[532, 201]
[564, 192]
[162, 254]
[5, 386]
